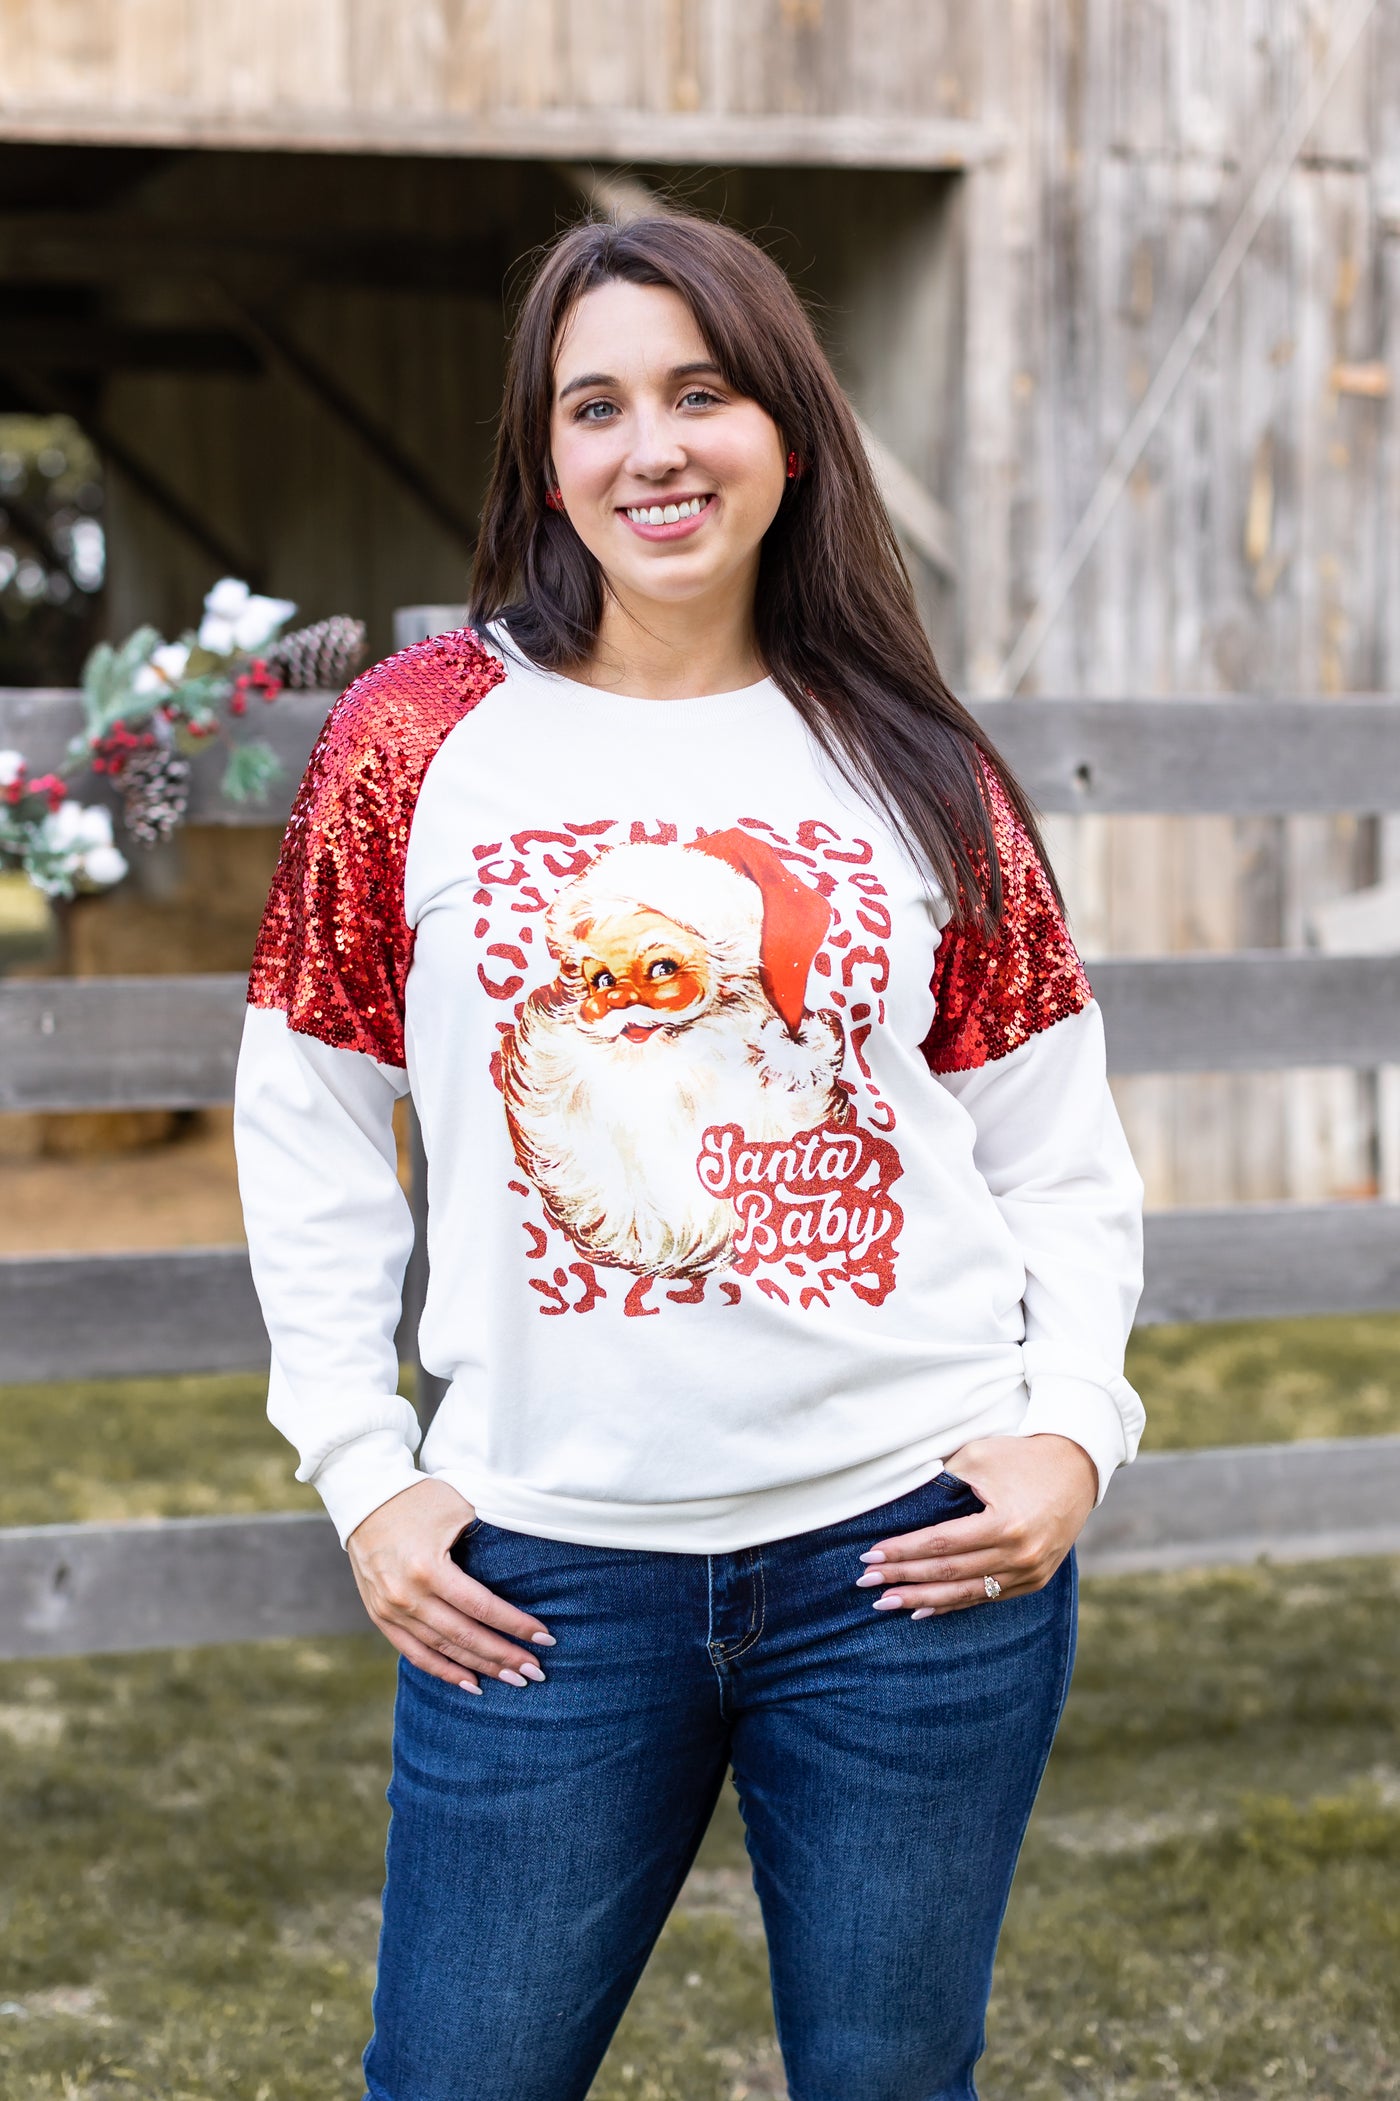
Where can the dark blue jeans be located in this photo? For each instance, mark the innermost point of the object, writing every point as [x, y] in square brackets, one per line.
[885, 1767]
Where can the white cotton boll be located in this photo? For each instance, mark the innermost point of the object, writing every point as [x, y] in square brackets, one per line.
[237, 618]
[60, 830]
[164, 668]
[11, 767]
[73, 829]
[223, 609]
[97, 825]
[260, 620]
[227, 598]
[103, 865]
[171, 660]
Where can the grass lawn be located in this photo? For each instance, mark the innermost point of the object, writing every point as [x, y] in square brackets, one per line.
[191, 1843]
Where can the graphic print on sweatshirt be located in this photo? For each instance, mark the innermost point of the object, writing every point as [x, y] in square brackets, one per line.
[683, 1069]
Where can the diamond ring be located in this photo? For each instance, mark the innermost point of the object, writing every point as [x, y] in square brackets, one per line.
[991, 1586]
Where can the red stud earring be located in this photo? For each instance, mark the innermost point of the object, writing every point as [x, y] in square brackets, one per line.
[554, 498]
[796, 466]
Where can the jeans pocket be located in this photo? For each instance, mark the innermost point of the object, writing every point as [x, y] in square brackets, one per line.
[458, 1550]
[963, 1490]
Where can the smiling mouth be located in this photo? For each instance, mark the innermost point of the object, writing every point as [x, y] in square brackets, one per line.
[667, 521]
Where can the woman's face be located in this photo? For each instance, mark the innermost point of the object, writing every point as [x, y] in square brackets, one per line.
[668, 476]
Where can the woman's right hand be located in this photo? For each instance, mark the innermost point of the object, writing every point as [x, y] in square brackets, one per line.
[441, 1620]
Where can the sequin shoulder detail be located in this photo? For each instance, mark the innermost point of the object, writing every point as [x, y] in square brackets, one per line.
[993, 994]
[334, 948]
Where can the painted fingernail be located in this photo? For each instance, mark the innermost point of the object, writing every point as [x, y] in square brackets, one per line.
[533, 1671]
[513, 1678]
[874, 1554]
[924, 1612]
[872, 1575]
[889, 1601]
[467, 1686]
[546, 1641]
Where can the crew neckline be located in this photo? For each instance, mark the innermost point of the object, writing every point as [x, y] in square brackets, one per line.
[736, 697]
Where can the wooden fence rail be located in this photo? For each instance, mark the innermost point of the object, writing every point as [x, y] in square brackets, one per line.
[41, 721]
[166, 1042]
[172, 1042]
[163, 1582]
[1236, 755]
[193, 1309]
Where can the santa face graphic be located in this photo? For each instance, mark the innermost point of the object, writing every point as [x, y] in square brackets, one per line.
[642, 960]
[678, 1006]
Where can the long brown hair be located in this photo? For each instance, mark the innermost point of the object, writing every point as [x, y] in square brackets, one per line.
[835, 619]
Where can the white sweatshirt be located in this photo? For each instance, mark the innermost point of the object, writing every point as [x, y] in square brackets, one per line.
[688, 1048]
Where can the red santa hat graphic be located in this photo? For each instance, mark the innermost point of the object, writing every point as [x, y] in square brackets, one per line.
[732, 889]
[794, 920]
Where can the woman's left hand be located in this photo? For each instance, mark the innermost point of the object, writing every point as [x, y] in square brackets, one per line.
[1038, 1492]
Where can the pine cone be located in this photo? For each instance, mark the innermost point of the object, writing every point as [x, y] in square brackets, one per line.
[155, 794]
[321, 658]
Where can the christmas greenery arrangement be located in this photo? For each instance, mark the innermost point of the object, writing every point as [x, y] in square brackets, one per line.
[149, 708]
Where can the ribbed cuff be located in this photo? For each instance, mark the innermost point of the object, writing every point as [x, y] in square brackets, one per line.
[358, 1477]
[1090, 1414]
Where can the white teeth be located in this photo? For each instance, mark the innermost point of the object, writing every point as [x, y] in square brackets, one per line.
[666, 514]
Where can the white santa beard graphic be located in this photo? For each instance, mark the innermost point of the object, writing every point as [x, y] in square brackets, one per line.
[610, 1130]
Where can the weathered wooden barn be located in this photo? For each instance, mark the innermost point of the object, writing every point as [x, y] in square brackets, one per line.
[261, 251]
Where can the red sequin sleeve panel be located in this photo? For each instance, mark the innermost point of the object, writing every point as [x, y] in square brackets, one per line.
[993, 993]
[334, 949]
[1017, 1040]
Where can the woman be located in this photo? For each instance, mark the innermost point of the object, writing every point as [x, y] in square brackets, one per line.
[716, 947]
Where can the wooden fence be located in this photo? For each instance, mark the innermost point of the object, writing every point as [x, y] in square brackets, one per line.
[171, 1042]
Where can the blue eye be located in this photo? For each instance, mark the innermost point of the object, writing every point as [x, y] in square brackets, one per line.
[586, 415]
[700, 395]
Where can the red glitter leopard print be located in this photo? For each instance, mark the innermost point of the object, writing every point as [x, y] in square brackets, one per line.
[993, 994]
[334, 948]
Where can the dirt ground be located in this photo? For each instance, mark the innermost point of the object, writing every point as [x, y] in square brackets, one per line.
[179, 1191]
[182, 1192]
